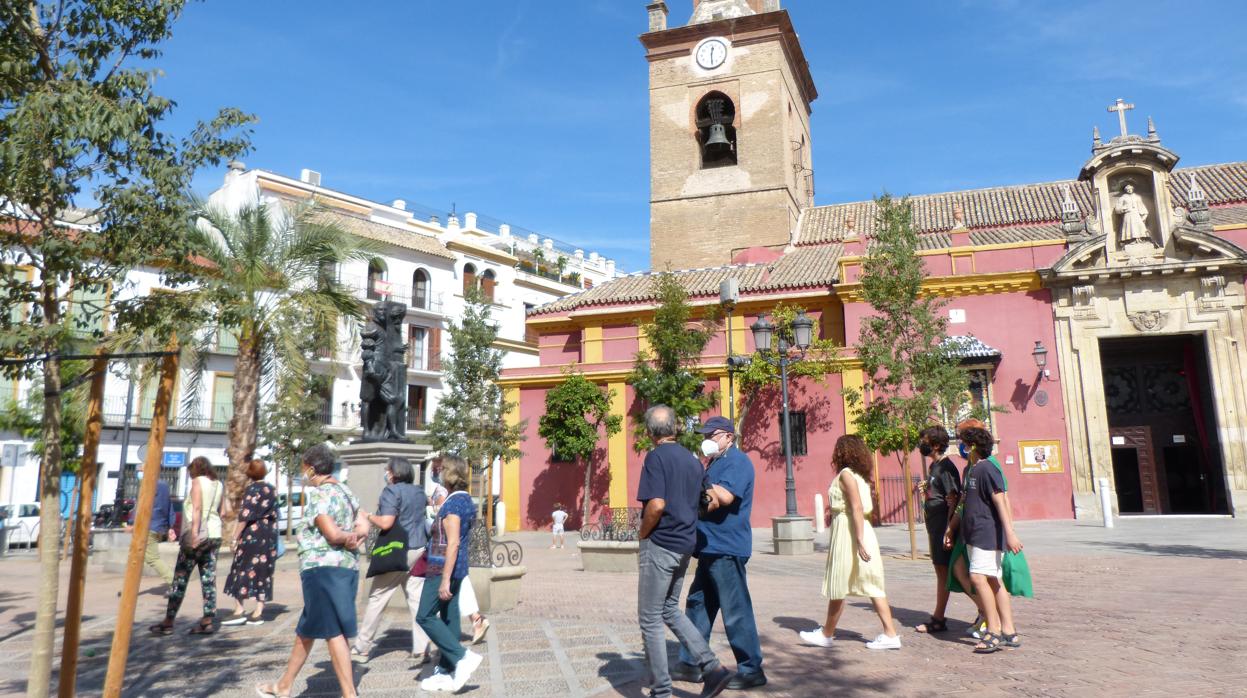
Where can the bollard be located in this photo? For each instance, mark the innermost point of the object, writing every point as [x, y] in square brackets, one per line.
[1106, 503]
[500, 518]
[820, 516]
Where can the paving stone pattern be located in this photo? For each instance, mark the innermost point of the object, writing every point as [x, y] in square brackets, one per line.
[1151, 607]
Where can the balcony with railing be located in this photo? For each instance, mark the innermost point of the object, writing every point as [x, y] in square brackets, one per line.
[377, 290]
[207, 418]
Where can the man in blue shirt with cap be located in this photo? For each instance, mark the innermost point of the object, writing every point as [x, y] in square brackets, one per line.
[724, 544]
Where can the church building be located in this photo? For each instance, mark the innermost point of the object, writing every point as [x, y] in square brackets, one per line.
[1105, 313]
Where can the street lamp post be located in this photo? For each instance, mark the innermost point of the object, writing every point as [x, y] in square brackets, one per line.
[118, 519]
[793, 533]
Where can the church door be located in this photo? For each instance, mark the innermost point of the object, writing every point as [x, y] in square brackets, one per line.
[1162, 429]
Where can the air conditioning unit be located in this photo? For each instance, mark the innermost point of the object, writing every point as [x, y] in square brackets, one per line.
[311, 177]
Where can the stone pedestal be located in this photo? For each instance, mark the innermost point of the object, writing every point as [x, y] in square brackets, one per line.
[793, 535]
[366, 462]
[497, 588]
[110, 539]
[609, 555]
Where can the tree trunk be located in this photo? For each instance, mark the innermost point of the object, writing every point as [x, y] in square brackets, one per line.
[67, 539]
[584, 521]
[39, 682]
[242, 426]
[909, 502]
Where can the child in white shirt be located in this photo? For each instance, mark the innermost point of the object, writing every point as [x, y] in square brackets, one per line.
[559, 516]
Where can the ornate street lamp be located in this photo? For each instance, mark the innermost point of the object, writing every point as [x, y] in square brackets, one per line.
[1040, 355]
[802, 334]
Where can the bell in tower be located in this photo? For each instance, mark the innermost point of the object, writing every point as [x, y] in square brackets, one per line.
[715, 131]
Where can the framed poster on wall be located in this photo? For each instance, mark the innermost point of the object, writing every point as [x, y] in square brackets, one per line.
[1040, 456]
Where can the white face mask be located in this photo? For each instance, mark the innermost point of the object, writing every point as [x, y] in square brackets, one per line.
[709, 448]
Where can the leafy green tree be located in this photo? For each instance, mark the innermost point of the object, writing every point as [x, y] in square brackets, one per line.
[908, 369]
[577, 412]
[667, 374]
[470, 420]
[757, 378]
[269, 280]
[94, 183]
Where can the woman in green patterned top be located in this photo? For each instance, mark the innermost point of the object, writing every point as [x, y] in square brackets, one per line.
[329, 540]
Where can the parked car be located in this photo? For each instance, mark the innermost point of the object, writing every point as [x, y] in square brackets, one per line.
[22, 520]
[296, 502]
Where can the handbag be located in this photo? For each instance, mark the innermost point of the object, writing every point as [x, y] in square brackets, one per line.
[281, 545]
[389, 553]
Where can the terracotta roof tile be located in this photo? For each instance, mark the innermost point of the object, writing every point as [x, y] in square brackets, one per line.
[1004, 207]
[371, 230]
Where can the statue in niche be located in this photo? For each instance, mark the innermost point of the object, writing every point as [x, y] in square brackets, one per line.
[1133, 212]
[383, 389]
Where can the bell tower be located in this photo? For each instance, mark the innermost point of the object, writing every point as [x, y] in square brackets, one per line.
[730, 164]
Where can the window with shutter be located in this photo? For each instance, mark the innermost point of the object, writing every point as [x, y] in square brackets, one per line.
[434, 349]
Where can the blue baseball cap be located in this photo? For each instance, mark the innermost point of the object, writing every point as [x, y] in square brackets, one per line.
[717, 424]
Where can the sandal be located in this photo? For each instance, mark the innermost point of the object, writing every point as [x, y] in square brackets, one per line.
[161, 629]
[1010, 641]
[935, 625]
[269, 690]
[977, 628]
[990, 643]
[479, 630]
[202, 628]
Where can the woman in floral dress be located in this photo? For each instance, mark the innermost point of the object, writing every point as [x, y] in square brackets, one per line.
[255, 548]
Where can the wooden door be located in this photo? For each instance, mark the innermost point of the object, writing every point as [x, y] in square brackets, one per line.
[1140, 439]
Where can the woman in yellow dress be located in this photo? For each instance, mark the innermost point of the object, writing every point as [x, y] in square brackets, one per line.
[854, 566]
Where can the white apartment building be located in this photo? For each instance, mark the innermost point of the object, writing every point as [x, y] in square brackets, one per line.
[423, 259]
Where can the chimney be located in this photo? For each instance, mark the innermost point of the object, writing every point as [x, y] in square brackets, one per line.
[452, 222]
[435, 220]
[311, 177]
[532, 238]
[234, 170]
[548, 244]
[504, 230]
[399, 204]
[469, 220]
[579, 254]
[657, 16]
[610, 267]
[768, 6]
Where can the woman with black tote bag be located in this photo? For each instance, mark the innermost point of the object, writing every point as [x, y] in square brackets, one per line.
[400, 542]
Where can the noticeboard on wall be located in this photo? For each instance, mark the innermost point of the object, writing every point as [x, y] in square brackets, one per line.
[1040, 456]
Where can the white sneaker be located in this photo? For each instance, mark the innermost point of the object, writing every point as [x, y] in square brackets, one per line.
[465, 667]
[360, 657]
[883, 642]
[438, 682]
[816, 637]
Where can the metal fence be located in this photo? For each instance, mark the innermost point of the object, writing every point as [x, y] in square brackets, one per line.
[620, 524]
[892, 499]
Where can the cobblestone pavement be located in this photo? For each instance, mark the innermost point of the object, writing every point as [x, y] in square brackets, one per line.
[1151, 607]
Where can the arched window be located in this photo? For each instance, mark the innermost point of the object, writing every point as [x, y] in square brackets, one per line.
[377, 286]
[469, 277]
[487, 284]
[420, 289]
[716, 136]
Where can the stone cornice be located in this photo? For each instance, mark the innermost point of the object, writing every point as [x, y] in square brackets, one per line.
[968, 285]
[556, 375]
[482, 251]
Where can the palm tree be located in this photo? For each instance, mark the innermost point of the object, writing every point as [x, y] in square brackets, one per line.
[270, 273]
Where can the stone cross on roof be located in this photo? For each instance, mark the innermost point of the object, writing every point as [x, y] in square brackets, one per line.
[1120, 107]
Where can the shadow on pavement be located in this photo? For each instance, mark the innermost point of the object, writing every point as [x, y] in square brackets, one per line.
[1172, 550]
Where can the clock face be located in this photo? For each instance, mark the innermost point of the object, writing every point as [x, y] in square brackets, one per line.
[711, 53]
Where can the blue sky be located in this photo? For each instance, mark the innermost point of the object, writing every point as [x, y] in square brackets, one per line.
[535, 112]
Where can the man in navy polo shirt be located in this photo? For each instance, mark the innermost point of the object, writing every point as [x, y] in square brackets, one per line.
[724, 544]
[670, 489]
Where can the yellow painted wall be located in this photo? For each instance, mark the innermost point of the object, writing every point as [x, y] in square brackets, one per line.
[591, 345]
[511, 468]
[617, 448]
[851, 378]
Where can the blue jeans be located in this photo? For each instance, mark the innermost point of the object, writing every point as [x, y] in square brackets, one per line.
[660, 578]
[719, 585]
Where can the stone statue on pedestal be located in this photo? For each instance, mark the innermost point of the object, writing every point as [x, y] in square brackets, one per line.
[383, 388]
[1133, 217]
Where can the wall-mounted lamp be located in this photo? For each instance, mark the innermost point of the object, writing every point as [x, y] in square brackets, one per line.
[1040, 355]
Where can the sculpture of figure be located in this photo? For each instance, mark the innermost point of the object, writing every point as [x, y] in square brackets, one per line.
[383, 388]
[1133, 216]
